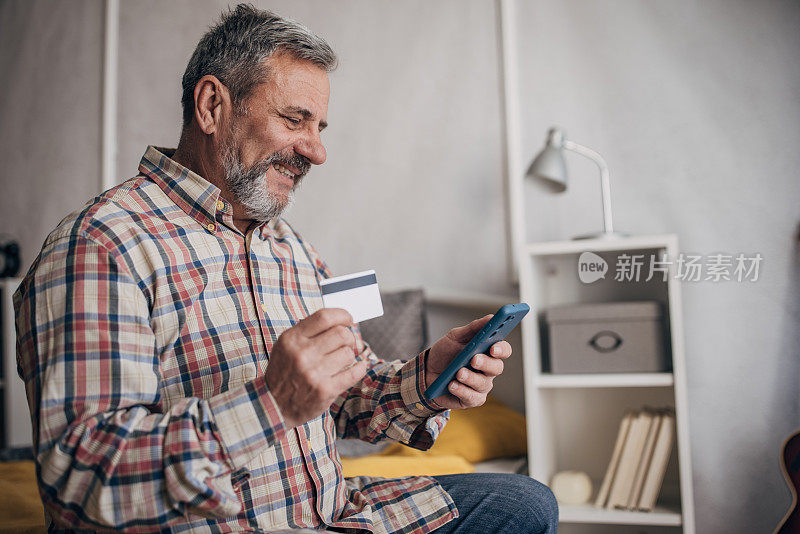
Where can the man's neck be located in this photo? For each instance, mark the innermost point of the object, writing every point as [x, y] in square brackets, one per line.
[194, 154]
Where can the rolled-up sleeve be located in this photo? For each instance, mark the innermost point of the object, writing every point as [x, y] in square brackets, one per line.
[387, 404]
[109, 454]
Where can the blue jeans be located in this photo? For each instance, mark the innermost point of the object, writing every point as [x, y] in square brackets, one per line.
[499, 503]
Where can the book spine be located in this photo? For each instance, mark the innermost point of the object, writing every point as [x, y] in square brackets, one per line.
[623, 483]
[644, 462]
[658, 465]
[605, 486]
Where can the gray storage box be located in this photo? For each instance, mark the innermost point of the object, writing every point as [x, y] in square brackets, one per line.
[615, 337]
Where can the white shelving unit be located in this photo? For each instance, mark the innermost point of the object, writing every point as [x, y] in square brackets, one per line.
[590, 515]
[611, 380]
[16, 430]
[573, 418]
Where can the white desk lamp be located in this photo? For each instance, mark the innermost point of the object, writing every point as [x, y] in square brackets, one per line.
[550, 168]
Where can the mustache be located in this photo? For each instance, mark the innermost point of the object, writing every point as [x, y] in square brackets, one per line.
[295, 161]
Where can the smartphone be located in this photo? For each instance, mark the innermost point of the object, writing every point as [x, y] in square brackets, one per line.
[495, 330]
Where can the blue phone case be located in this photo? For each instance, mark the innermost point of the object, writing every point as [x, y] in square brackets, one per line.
[495, 330]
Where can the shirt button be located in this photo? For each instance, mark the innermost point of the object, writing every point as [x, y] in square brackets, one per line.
[263, 307]
[220, 205]
[419, 406]
[211, 227]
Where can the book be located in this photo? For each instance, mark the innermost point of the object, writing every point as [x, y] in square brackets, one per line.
[658, 464]
[622, 435]
[644, 461]
[631, 454]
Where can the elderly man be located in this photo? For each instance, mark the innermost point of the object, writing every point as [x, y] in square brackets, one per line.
[181, 371]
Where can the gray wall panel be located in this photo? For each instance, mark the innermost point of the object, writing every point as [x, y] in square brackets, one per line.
[51, 62]
[696, 107]
[412, 186]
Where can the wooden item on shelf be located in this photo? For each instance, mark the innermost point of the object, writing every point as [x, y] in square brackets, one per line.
[623, 483]
[622, 436]
[639, 461]
[645, 461]
[658, 465]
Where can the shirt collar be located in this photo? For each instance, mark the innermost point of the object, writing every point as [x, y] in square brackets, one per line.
[195, 195]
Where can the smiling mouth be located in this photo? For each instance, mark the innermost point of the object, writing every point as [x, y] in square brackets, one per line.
[284, 171]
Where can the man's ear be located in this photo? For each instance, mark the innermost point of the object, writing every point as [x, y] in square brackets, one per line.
[211, 102]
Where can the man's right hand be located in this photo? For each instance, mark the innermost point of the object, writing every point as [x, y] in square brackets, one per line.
[312, 363]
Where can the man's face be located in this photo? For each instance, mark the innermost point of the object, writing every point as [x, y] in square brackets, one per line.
[271, 146]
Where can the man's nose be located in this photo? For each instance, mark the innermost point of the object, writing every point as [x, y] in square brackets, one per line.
[312, 148]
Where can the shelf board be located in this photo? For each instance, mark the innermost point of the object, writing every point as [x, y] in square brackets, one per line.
[554, 248]
[587, 513]
[606, 380]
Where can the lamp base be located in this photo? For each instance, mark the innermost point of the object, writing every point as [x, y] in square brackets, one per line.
[602, 235]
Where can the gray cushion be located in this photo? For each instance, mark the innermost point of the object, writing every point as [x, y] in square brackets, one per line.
[400, 333]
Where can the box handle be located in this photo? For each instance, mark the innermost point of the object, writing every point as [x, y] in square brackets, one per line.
[605, 341]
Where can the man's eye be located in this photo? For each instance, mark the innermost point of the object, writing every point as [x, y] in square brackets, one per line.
[292, 120]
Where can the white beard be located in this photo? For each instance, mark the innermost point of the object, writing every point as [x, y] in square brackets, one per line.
[249, 187]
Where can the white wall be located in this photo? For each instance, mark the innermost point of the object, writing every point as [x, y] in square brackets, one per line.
[50, 67]
[695, 105]
[414, 149]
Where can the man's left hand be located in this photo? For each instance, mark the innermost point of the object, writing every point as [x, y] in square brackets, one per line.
[470, 385]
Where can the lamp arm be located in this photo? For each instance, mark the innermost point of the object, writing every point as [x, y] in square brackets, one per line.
[605, 182]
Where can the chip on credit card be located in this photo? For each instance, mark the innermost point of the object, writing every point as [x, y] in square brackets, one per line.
[357, 293]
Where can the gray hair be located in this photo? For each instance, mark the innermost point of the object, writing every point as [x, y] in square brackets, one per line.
[235, 49]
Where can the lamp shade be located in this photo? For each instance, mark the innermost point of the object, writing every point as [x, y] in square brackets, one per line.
[549, 166]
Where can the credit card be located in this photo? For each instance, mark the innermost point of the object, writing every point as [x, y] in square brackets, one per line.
[357, 293]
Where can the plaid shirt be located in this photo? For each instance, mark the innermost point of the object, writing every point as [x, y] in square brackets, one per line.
[141, 328]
